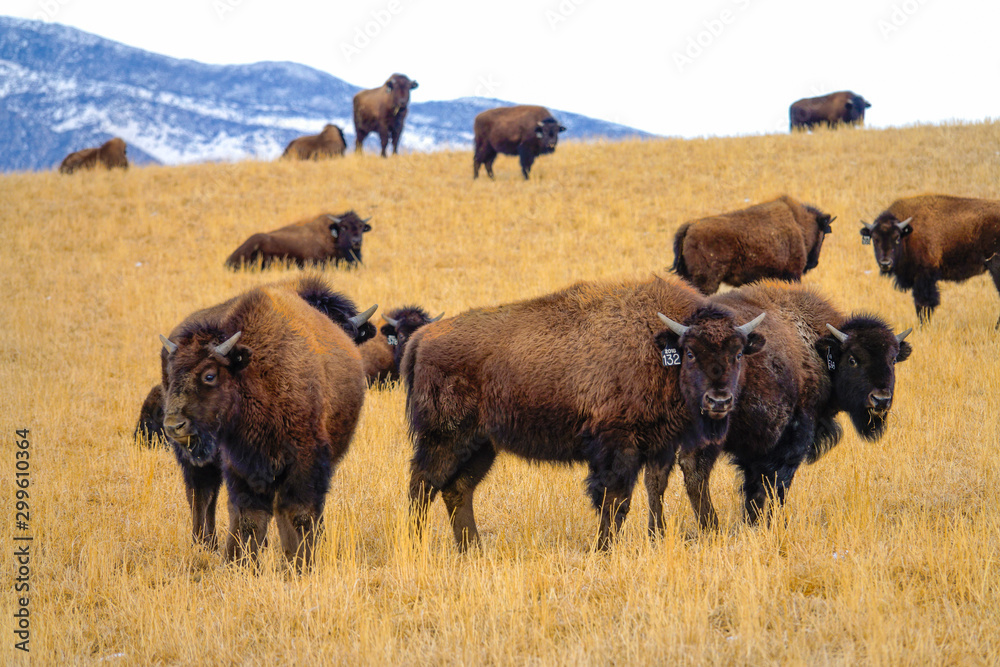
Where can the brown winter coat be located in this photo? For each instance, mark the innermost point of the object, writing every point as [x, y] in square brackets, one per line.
[109, 155]
[328, 143]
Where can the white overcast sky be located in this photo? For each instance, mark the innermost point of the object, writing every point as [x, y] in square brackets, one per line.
[688, 68]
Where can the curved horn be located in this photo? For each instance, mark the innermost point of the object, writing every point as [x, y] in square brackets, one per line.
[367, 219]
[393, 323]
[224, 348]
[334, 218]
[435, 319]
[839, 335]
[361, 318]
[676, 327]
[745, 329]
[868, 225]
[168, 345]
[901, 336]
[904, 224]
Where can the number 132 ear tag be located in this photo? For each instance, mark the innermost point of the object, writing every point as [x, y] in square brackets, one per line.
[670, 357]
[866, 240]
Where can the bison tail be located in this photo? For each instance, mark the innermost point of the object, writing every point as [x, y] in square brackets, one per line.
[680, 266]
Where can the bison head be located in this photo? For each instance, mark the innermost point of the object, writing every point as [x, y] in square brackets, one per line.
[823, 222]
[399, 86]
[547, 132]
[886, 235]
[711, 350]
[854, 109]
[400, 325]
[861, 356]
[348, 231]
[199, 379]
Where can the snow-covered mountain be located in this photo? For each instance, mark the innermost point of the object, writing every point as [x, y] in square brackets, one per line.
[62, 89]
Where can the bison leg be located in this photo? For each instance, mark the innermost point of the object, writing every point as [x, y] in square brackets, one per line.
[383, 135]
[394, 133]
[457, 496]
[202, 487]
[249, 514]
[484, 155]
[657, 476]
[772, 476]
[298, 528]
[926, 296]
[697, 468]
[993, 266]
[527, 159]
[612, 477]
[359, 140]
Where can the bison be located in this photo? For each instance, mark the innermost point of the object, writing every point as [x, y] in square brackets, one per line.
[573, 376]
[381, 356]
[831, 110]
[383, 110]
[921, 240]
[777, 239]
[328, 143]
[525, 131]
[325, 238]
[149, 427]
[110, 155]
[817, 363]
[263, 390]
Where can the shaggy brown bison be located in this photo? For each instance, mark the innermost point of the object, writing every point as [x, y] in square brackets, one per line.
[817, 363]
[921, 240]
[149, 426]
[325, 238]
[831, 110]
[381, 356]
[578, 375]
[109, 155]
[383, 110]
[264, 390]
[777, 239]
[328, 143]
[525, 131]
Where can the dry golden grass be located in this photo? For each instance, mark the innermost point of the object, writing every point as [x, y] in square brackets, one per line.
[886, 553]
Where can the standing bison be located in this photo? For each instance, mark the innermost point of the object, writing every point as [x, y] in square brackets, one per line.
[831, 110]
[817, 363]
[578, 375]
[777, 239]
[921, 240]
[382, 356]
[383, 110]
[525, 131]
[328, 143]
[110, 155]
[325, 238]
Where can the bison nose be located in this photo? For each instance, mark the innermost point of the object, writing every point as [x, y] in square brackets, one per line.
[717, 403]
[880, 400]
[175, 427]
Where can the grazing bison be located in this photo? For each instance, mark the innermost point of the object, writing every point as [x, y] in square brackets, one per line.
[777, 239]
[272, 414]
[573, 376]
[525, 131]
[921, 240]
[328, 143]
[383, 110]
[149, 427]
[110, 155]
[830, 110]
[817, 363]
[325, 238]
[382, 356]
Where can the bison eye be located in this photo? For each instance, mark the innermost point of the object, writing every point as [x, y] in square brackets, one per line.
[690, 355]
[739, 355]
[851, 361]
[209, 378]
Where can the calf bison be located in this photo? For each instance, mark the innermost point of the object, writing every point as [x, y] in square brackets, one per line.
[817, 363]
[921, 240]
[381, 356]
[383, 110]
[777, 239]
[264, 390]
[525, 131]
[328, 143]
[586, 374]
[110, 155]
[325, 238]
[831, 110]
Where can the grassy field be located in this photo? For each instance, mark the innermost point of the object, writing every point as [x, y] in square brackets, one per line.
[886, 554]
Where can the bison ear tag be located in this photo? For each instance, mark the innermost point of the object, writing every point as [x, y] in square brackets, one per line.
[392, 340]
[670, 357]
[830, 363]
[866, 240]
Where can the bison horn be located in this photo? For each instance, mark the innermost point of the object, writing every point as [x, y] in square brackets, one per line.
[900, 337]
[839, 335]
[168, 345]
[334, 218]
[361, 318]
[869, 226]
[745, 329]
[367, 219]
[676, 327]
[904, 224]
[224, 348]
[393, 323]
[435, 319]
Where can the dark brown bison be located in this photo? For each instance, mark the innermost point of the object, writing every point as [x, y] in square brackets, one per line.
[525, 131]
[777, 239]
[831, 110]
[817, 363]
[264, 390]
[573, 376]
[921, 240]
[382, 356]
[328, 143]
[149, 427]
[383, 110]
[325, 238]
[109, 155]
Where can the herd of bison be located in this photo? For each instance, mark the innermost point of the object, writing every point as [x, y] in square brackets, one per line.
[263, 392]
